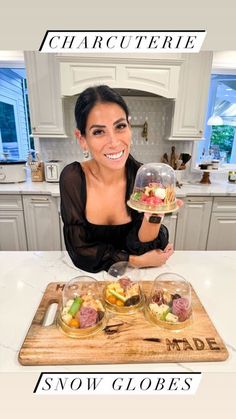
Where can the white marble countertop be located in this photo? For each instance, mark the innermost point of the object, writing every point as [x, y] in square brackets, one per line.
[218, 187]
[29, 187]
[25, 275]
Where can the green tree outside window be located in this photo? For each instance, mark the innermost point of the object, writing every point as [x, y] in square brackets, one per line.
[223, 136]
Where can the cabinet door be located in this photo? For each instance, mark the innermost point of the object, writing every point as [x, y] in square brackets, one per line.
[193, 224]
[43, 80]
[222, 233]
[170, 222]
[42, 223]
[191, 103]
[12, 231]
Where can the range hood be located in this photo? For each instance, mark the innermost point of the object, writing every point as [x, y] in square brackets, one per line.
[134, 92]
[131, 78]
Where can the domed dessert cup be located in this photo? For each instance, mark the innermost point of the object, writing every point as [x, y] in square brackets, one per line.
[123, 293]
[169, 304]
[154, 189]
[82, 309]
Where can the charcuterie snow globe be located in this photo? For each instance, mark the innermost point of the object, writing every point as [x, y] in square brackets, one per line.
[123, 293]
[169, 304]
[82, 311]
[154, 189]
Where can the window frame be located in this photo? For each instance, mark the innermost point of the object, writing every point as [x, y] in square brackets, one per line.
[14, 63]
[216, 70]
[14, 103]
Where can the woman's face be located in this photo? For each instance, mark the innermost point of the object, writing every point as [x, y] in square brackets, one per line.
[107, 135]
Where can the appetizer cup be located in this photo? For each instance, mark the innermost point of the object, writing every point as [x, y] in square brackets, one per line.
[169, 304]
[122, 293]
[82, 311]
[154, 189]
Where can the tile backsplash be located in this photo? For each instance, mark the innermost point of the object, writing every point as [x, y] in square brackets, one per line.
[156, 110]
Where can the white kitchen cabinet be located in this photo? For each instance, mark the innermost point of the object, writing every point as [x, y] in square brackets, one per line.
[191, 102]
[170, 222]
[42, 222]
[155, 76]
[222, 232]
[12, 226]
[193, 224]
[43, 80]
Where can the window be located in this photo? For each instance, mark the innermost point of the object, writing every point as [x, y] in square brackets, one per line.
[220, 129]
[15, 140]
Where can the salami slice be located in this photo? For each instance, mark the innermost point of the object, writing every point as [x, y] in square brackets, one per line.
[88, 317]
[181, 308]
[125, 283]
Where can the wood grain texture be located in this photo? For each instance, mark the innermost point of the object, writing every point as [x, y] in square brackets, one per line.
[125, 339]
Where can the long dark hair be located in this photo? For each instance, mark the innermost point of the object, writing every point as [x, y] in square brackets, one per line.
[90, 97]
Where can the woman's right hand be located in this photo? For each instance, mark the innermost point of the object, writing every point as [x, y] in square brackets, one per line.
[153, 258]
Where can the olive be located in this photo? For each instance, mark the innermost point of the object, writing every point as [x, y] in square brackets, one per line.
[132, 301]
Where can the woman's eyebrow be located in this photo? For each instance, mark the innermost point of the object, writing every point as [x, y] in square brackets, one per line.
[104, 126]
[119, 120]
[97, 126]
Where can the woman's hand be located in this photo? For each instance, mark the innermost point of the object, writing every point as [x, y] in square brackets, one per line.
[179, 202]
[169, 249]
[153, 258]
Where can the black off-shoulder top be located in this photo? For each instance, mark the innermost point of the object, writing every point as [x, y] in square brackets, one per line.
[95, 247]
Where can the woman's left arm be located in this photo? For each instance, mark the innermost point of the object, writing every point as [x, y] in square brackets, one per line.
[145, 236]
[148, 231]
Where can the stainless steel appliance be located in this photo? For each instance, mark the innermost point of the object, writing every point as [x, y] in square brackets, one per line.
[53, 170]
[12, 171]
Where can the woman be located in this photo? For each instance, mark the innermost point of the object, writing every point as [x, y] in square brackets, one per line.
[99, 228]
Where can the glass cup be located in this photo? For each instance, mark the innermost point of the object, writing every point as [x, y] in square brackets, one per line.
[82, 309]
[169, 304]
[123, 292]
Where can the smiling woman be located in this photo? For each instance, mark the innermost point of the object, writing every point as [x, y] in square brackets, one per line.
[99, 228]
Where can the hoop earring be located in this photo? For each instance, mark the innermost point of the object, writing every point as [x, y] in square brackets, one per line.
[86, 154]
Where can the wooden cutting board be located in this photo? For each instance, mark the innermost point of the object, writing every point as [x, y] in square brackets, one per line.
[125, 339]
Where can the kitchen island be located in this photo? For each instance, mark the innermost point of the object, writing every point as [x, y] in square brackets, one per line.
[25, 275]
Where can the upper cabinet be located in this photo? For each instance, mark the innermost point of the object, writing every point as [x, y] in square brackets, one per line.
[43, 78]
[160, 77]
[191, 102]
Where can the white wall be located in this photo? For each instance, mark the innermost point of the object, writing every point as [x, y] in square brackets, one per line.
[224, 61]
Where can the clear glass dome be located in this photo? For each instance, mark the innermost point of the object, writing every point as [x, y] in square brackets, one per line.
[154, 189]
[169, 304]
[122, 292]
[82, 309]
